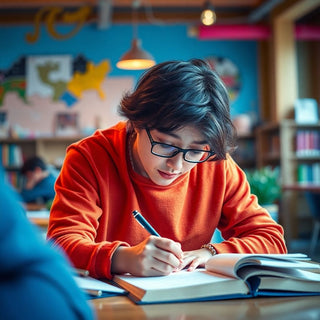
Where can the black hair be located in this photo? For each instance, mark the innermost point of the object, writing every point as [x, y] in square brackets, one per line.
[175, 94]
[32, 163]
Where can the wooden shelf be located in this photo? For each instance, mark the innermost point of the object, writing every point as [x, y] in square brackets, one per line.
[51, 149]
[245, 155]
[268, 145]
[302, 187]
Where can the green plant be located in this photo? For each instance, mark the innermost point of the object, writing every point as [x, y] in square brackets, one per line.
[49, 204]
[265, 184]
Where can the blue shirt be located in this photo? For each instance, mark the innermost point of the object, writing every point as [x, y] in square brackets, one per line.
[42, 192]
[35, 280]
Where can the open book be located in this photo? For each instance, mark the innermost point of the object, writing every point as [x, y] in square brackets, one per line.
[228, 276]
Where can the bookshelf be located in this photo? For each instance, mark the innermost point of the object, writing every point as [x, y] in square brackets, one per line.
[13, 151]
[245, 154]
[300, 172]
[300, 153]
[268, 145]
[295, 148]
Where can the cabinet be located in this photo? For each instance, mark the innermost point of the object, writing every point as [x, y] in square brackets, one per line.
[14, 151]
[300, 172]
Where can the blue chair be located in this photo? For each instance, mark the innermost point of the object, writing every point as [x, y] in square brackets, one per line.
[313, 200]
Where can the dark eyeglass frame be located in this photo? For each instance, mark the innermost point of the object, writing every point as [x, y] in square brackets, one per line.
[178, 150]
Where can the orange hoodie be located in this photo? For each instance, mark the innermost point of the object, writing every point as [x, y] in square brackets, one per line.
[97, 191]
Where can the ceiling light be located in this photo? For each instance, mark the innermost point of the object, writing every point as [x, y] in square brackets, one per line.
[208, 15]
[136, 58]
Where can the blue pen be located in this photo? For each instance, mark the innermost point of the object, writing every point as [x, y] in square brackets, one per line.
[138, 216]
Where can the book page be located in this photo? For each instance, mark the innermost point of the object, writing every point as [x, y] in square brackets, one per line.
[180, 279]
[292, 273]
[288, 285]
[228, 263]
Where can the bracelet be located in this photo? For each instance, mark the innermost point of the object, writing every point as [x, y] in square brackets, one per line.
[210, 247]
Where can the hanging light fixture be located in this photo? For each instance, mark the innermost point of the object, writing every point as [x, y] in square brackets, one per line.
[208, 16]
[136, 58]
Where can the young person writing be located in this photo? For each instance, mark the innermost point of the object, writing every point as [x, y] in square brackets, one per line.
[171, 162]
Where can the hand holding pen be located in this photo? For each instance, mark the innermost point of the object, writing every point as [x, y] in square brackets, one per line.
[190, 258]
[166, 254]
[154, 256]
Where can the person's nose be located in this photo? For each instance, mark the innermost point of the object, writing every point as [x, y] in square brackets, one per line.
[176, 162]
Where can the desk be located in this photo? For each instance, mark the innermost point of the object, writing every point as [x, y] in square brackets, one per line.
[294, 308]
[39, 217]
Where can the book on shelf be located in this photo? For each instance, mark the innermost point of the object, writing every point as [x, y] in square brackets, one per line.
[308, 143]
[11, 155]
[228, 276]
[15, 178]
[308, 173]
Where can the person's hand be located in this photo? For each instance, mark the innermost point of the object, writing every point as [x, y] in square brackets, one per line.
[154, 256]
[31, 180]
[34, 177]
[195, 258]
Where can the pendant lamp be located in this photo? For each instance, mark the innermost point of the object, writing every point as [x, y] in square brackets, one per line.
[208, 16]
[136, 58]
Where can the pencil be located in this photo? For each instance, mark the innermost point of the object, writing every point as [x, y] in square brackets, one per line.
[94, 293]
[81, 272]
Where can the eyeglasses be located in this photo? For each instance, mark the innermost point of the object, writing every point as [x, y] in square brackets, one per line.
[169, 151]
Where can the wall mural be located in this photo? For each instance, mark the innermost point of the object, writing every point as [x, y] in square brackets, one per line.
[48, 76]
[59, 77]
[35, 89]
[52, 15]
[64, 79]
[14, 80]
[229, 74]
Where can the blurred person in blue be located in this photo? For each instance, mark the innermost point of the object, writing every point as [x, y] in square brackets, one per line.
[35, 281]
[39, 181]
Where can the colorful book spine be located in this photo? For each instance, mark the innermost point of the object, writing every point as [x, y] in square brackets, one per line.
[15, 179]
[308, 173]
[307, 143]
[11, 155]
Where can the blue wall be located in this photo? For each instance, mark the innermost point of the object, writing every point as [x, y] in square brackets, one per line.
[164, 42]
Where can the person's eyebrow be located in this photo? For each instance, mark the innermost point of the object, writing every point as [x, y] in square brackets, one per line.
[172, 134]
